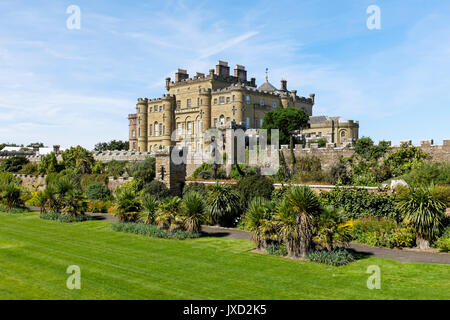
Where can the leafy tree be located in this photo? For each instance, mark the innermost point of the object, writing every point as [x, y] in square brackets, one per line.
[143, 171]
[366, 148]
[156, 189]
[97, 191]
[253, 186]
[78, 159]
[423, 213]
[405, 158]
[286, 120]
[14, 164]
[192, 211]
[112, 145]
[49, 164]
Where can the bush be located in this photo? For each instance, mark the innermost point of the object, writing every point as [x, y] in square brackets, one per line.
[255, 186]
[339, 174]
[64, 218]
[359, 203]
[143, 171]
[4, 208]
[276, 249]
[206, 171]
[429, 172]
[99, 206]
[441, 193]
[115, 168]
[443, 242]
[152, 231]
[337, 257]
[97, 191]
[13, 164]
[29, 168]
[382, 233]
[157, 189]
[89, 179]
[196, 187]
[248, 171]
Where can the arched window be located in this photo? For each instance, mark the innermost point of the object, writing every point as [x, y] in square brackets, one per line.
[161, 129]
[150, 130]
[222, 119]
[156, 129]
[342, 134]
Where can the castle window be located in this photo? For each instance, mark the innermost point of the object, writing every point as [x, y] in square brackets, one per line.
[189, 128]
[228, 119]
[247, 122]
[343, 134]
[188, 103]
[160, 108]
[178, 104]
[161, 129]
[156, 129]
[247, 99]
[134, 145]
[261, 121]
[274, 104]
[261, 102]
[233, 98]
[222, 100]
[133, 133]
[215, 101]
[150, 131]
[222, 119]
[178, 129]
[215, 122]
[228, 99]
[150, 110]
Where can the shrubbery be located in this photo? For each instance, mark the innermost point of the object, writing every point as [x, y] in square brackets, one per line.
[359, 203]
[383, 233]
[443, 242]
[64, 218]
[255, 186]
[97, 191]
[153, 231]
[337, 257]
[276, 249]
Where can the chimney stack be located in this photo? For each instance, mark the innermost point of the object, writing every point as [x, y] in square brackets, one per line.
[180, 75]
[168, 83]
[240, 73]
[56, 149]
[283, 85]
[253, 82]
[222, 69]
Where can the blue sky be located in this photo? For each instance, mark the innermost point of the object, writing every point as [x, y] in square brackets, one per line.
[72, 87]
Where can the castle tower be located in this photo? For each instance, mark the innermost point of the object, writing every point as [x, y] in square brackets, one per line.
[205, 109]
[142, 112]
[168, 119]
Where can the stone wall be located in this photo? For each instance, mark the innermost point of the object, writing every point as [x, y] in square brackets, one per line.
[116, 182]
[30, 182]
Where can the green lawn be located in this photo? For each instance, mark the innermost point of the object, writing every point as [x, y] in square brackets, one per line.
[35, 253]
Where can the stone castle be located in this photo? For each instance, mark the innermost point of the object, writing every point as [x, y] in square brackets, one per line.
[218, 100]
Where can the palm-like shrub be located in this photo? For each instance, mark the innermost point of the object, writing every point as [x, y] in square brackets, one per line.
[222, 205]
[166, 213]
[127, 206]
[423, 213]
[295, 218]
[11, 193]
[74, 203]
[149, 206]
[255, 219]
[331, 226]
[192, 211]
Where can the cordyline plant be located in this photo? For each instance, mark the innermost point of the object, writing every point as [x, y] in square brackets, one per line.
[423, 213]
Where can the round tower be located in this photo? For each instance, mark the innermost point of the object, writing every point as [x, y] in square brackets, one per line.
[142, 112]
[169, 103]
[205, 109]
